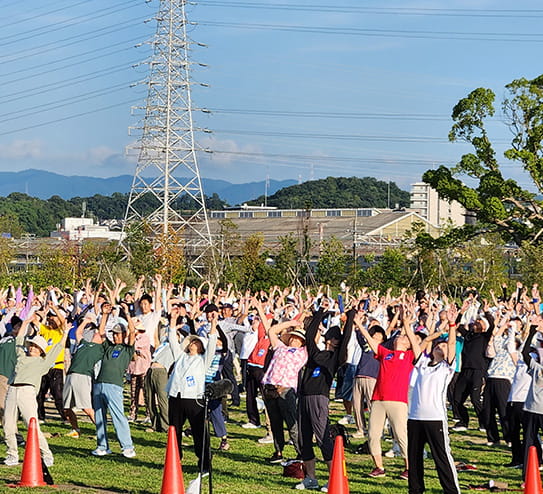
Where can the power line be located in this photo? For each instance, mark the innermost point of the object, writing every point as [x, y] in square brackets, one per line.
[338, 115]
[73, 21]
[341, 115]
[311, 158]
[390, 33]
[53, 105]
[78, 56]
[53, 86]
[72, 40]
[68, 117]
[412, 11]
[41, 14]
[339, 137]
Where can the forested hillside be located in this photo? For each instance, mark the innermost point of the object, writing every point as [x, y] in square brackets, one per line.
[20, 213]
[338, 192]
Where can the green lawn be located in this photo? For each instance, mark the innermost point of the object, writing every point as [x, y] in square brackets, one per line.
[242, 469]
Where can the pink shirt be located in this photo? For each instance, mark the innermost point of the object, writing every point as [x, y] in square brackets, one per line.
[285, 366]
[141, 362]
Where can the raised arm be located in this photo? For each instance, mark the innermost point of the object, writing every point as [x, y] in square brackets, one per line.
[452, 314]
[358, 323]
[408, 320]
[131, 327]
[534, 328]
[157, 284]
[138, 292]
[275, 330]
[106, 312]
[263, 318]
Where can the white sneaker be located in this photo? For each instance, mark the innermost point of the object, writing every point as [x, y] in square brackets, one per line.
[359, 435]
[266, 440]
[324, 488]
[129, 453]
[307, 483]
[459, 428]
[250, 425]
[347, 420]
[48, 461]
[101, 452]
[11, 461]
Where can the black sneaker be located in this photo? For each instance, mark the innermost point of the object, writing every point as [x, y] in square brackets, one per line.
[276, 458]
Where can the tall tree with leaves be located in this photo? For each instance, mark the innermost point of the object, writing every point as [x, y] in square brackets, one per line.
[332, 265]
[499, 204]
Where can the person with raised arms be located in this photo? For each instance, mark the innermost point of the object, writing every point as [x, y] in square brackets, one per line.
[427, 419]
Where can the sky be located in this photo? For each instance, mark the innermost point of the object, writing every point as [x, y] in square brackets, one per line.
[297, 89]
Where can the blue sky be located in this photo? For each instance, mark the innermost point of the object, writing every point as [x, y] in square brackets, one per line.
[300, 89]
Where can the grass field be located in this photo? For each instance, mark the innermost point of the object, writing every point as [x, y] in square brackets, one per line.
[241, 470]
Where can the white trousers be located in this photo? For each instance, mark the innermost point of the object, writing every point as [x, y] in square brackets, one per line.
[21, 399]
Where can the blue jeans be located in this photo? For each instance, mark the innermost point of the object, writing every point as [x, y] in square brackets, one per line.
[106, 396]
[217, 418]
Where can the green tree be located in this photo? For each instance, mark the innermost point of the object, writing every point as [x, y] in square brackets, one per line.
[141, 253]
[287, 260]
[499, 204]
[170, 257]
[530, 265]
[332, 265]
[480, 263]
[390, 270]
[228, 246]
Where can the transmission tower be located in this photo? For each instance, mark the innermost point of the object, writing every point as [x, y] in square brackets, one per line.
[166, 147]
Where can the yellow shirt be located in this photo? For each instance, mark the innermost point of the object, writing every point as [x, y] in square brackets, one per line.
[53, 336]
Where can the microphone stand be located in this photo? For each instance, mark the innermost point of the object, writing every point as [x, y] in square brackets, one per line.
[206, 443]
[206, 447]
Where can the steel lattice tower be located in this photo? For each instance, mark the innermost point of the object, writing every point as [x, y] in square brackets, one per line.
[166, 146]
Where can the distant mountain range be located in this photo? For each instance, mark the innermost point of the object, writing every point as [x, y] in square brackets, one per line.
[43, 184]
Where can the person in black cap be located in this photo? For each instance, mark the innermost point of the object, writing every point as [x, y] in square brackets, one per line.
[315, 387]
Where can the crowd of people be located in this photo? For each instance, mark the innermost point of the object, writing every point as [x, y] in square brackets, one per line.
[408, 361]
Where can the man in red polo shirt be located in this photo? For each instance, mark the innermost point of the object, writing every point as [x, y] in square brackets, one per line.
[391, 389]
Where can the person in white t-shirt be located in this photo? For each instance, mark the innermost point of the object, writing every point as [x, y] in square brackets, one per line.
[427, 417]
[150, 313]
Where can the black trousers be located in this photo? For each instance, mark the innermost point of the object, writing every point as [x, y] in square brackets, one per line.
[495, 401]
[283, 408]
[516, 421]
[254, 385]
[52, 381]
[243, 363]
[534, 425]
[182, 409]
[471, 382]
[313, 421]
[435, 433]
[450, 395]
[228, 373]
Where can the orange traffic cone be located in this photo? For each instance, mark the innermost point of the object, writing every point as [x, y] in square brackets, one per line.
[32, 473]
[338, 483]
[532, 482]
[172, 480]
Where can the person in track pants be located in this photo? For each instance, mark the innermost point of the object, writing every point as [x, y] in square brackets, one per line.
[427, 417]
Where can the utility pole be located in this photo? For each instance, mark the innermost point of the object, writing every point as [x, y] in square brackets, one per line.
[167, 169]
